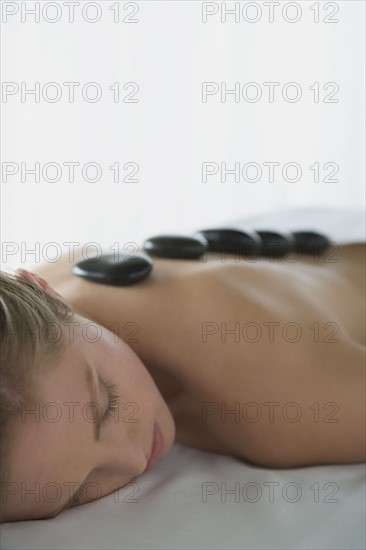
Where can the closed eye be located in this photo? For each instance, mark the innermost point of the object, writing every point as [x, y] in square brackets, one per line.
[113, 401]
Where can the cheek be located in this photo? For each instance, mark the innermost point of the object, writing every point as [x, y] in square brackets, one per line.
[123, 367]
[137, 384]
[138, 381]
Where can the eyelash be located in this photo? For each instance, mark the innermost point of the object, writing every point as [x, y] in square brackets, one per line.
[113, 398]
[113, 403]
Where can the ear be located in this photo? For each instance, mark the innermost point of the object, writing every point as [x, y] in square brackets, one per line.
[38, 280]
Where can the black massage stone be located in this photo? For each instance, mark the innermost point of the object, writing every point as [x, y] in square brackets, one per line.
[309, 242]
[232, 241]
[117, 270]
[176, 246]
[276, 243]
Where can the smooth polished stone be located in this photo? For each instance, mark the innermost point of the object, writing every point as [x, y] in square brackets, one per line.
[309, 242]
[176, 246]
[115, 269]
[276, 243]
[232, 241]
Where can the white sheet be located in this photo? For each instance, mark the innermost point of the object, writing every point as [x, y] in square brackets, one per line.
[319, 507]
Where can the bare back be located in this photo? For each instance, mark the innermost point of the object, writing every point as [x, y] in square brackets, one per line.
[280, 344]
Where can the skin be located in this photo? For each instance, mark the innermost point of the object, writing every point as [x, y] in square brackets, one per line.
[306, 397]
[66, 452]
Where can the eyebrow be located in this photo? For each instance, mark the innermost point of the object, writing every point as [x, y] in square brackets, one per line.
[92, 382]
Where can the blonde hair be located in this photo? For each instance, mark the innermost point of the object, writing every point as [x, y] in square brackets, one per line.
[32, 338]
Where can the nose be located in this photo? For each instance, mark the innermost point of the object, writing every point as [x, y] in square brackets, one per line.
[128, 458]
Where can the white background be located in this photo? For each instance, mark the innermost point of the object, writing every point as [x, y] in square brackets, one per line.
[169, 52]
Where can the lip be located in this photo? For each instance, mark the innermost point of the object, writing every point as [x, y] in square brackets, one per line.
[157, 446]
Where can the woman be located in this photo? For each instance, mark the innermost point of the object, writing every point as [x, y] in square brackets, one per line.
[263, 360]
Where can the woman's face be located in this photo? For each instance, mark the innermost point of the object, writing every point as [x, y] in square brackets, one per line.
[69, 437]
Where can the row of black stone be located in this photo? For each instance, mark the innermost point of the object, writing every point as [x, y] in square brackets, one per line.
[250, 243]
